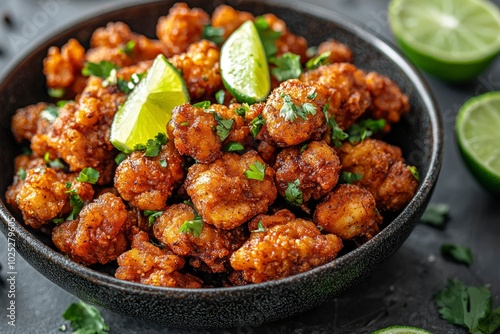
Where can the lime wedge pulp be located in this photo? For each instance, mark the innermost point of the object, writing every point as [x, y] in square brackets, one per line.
[243, 64]
[401, 330]
[478, 137]
[148, 108]
[453, 39]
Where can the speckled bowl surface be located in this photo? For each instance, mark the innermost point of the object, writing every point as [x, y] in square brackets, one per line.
[419, 135]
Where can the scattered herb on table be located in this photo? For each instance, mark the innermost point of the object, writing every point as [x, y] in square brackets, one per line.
[436, 215]
[457, 253]
[85, 319]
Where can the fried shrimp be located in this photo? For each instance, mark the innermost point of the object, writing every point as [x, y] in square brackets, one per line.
[338, 52]
[350, 212]
[223, 193]
[148, 264]
[286, 246]
[229, 19]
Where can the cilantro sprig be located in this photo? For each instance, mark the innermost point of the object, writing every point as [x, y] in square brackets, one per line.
[457, 253]
[152, 215]
[338, 135]
[317, 61]
[290, 111]
[293, 194]
[358, 132]
[256, 125]
[85, 319]
[214, 34]
[349, 178]
[75, 202]
[153, 146]
[88, 174]
[288, 66]
[436, 214]
[267, 35]
[102, 69]
[256, 171]
[223, 126]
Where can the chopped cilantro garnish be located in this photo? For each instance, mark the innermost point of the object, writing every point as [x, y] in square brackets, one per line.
[435, 215]
[152, 215]
[184, 124]
[75, 201]
[220, 96]
[267, 36]
[56, 163]
[202, 104]
[223, 126]
[89, 175]
[290, 111]
[120, 157]
[129, 47]
[293, 194]
[287, 66]
[338, 135]
[257, 171]
[128, 86]
[50, 113]
[195, 226]
[153, 147]
[312, 95]
[163, 163]
[260, 227]
[469, 307]
[85, 318]
[241, 111]
[349, 178]
[214, 34]
[256, 124]
[232, 147]
[56, 93]
[414, 172]
[58, 221]
[303, 148]
[457, 253]
[102, 69]
[358, 132]
[318, 61]
[21, 173]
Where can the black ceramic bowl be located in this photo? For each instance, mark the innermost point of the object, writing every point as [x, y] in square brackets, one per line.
[419, 135]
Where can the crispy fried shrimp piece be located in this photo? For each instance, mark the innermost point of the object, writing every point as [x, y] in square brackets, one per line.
[200, 69]
[350, 212]
[384, 172]
[229, 19]
[350, 99]
[194, 134]
[212, 246]
[63, 67]
[44, 196]
[388, 101]
[287, 42]
[316, 166]
[148, 264]
[27, 122]
[224, 196]
[113, 35]
[339, 53]
[145, 183]
[181, 27]
[80, 134]
[287, 246]
[99, 235]
[284, 124]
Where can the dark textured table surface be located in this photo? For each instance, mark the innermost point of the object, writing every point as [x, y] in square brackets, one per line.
[399, 292]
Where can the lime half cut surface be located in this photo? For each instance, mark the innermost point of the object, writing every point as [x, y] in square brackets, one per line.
[243, 63]
[478, 136]
[149, 106]
[401, 330]
[452, 39]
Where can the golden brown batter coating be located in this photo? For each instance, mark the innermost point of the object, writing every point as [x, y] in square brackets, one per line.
[316, 166]
[350, 212]
[385, 174]
[212, 246]
[194, 134]
[350, 97]
[145, 182]
[112, 54]
[44, 195]
[62, 67]
[200, 69]
[286, 132]
[388, 101]
[287, 246]
[148, 264]
[287, 42]
[26, 122]
[99, 234]
[224, 196]
[339, 52]
[181, 27]
[229, 19]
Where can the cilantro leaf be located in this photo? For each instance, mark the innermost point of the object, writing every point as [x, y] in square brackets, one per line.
[195, 226]
[75, 201]
[242, 111]
[414, 172]
[214, 34]
[457, 253]
[202, 104]
[349, 178]
[220, 96]
[338, 135]
[56, 93]
[267, 36]
[287, 66]
[85, 319]
[153, 146]
[50, 113]
[358, 132]
[163, 163]
[223, 126]
[436, 215]
[21, 173]
[128, 49]
[152, 215]
[293, 194]
[232, 147]
[256, 125]
[260, 227]
[257, 171]
[102, 69]
[128, 86]
[318, 60]
[120, 157]
[56, 163]
[290, 111]
[89, 175]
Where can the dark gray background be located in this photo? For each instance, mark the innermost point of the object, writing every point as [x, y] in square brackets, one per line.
[400, 292]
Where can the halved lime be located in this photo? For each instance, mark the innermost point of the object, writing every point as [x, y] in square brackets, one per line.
[243, 65]
[478, 137]
[401, 330]
[454, 40]
[148, 108]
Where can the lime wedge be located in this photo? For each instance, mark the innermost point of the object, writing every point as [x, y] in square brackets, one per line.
[148, 108]
[243, 65]
[478, 137]
[454, 40]
[401, 330]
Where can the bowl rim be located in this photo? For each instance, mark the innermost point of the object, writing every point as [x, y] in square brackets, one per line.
[387, 48]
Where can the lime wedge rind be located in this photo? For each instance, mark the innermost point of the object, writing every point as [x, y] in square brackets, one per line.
[401, 330]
